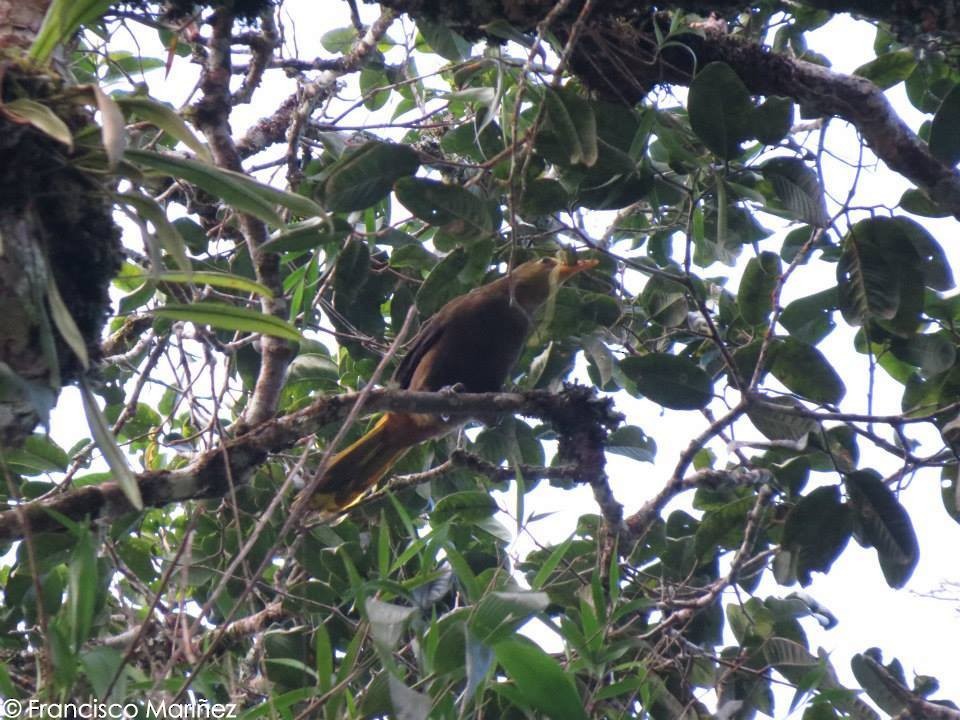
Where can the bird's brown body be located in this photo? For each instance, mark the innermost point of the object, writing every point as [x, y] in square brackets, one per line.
[472, 342]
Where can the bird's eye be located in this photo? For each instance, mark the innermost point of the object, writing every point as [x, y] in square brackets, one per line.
[547, 261]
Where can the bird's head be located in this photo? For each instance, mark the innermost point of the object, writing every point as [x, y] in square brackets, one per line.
[534, 281]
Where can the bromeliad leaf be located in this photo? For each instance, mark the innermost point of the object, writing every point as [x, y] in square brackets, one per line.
[166, 119]
[208, 277]
[236, 189]
[112, 454]
[227, 317]
[30, 112]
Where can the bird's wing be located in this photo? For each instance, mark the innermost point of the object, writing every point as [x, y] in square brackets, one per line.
[428, 336]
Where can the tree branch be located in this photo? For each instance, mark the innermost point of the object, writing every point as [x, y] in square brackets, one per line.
[208, 475]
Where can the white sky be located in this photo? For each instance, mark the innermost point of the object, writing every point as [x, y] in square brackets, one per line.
[922, 632]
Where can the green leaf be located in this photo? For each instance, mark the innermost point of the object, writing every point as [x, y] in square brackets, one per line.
[236, 189]
[868, 283]
[945, 129]
[38, 454]
[63, 18]
[934, 264]
[778, 424]
[81, 589]
[464, 507]
[166, 119]
[339, 40]
[30, 112]
[755, 294]
[669, 380]
[950, 490]
[917, 202]
[387, 621]
[798, 188]
[805, 371]
[885, 525]
[815, 533]
[540, 681]
[113, 128]
[458, 211]
[874, 680]
[307, 235]
[408, 704]
[208, 277]
[720, 109]
[228, 317]
[444, 41]
[500, 614]
[101, 665]
[365, 175]
[810, 319]
[772, 120]
[65, 324]
[888, 69]
[107, 443]
[168, 234]
[542, 196]
[630, 441]
[933, 353]
[571, 119]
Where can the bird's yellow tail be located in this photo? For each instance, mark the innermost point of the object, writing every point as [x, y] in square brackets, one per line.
[361, 465]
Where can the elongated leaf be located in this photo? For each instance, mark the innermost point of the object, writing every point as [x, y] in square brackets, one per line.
[167, 232]
[755, 295]
[63, 18]
[720, 108]
[540, 681]
[26, 111]
[208, 277]
[228, 317]
[365, 175]
[499, 614]
[307, 235]
[886, 526]
[107, 443]
[65, 323]
[239, 190]
[113, 127]
[670, 380]
[81, 588]
[574, 124]
[166, 119]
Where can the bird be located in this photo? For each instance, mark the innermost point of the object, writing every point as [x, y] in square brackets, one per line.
[470, 344]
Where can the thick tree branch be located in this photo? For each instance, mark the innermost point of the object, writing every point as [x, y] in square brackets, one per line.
[620, 57]
[209, 474]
